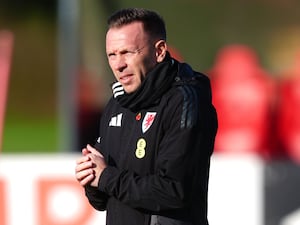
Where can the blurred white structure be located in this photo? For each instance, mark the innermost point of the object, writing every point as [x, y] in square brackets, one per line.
[236, 190]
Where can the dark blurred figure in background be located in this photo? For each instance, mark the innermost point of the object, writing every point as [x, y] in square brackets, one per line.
[89, 109]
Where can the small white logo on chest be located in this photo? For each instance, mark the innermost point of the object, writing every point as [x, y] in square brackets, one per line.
[116, 121]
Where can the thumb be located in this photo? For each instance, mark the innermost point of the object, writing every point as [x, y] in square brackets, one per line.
[90, 148]
[93, 150]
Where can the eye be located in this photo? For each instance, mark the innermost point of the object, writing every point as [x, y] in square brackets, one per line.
[124, 53]
[127, 53]
[111, 55]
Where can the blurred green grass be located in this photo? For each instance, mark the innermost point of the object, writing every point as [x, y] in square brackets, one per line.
[30, 135]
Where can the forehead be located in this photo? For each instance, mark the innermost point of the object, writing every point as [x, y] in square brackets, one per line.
[130, 34]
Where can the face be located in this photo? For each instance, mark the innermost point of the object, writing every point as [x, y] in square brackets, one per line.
[131, 54]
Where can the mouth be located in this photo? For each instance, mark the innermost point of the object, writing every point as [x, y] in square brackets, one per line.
[126, 79]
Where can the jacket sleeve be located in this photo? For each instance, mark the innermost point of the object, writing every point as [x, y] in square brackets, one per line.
[96, 198]
[181, 166]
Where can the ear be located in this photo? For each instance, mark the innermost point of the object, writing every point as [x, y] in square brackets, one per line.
[161, 50]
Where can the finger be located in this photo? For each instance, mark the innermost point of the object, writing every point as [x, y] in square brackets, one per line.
[84, 166]
[81, 175]
[93, 150]
[83, 159]
[87, 180]
[85, 151]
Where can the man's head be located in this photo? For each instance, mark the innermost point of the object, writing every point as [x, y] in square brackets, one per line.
[135, 43]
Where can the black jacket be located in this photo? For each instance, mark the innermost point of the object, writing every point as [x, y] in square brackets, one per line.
[157, 143]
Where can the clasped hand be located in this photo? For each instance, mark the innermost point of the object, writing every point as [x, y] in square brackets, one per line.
[89, 167]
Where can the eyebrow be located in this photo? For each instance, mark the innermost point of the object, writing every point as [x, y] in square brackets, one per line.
[125, 50]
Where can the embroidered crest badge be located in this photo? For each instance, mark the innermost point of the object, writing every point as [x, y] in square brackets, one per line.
[148, 121]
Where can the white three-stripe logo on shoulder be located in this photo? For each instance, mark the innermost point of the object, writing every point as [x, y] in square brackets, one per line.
[116, 121]
[117, 89]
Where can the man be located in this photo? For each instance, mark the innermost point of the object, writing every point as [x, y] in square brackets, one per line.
[150, 164]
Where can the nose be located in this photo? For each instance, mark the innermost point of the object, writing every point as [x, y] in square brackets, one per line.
[119, 63]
